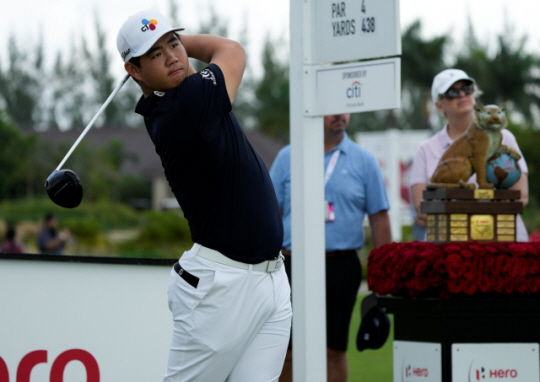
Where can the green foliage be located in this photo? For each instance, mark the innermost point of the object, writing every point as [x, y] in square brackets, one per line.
[12, 149]
[271, 105]
[509, 75]
[20, 85]
[528, 138]
[133, 189]
[161, 235]
[106, 229]
[86, 231]
[163, 227]
[109, 215]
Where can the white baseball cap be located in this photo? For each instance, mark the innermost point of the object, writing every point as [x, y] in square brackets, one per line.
[140, 31]
[445, 79]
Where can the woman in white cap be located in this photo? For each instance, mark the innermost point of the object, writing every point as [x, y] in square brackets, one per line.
[453, 93]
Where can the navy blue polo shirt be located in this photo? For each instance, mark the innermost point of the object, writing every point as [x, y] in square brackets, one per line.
[220, 182]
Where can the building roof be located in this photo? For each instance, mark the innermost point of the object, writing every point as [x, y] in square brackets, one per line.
[136, 142]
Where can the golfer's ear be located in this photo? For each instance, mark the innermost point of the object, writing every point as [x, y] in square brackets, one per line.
[133, 70]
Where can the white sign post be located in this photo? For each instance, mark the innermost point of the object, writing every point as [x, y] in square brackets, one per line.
[323, 33]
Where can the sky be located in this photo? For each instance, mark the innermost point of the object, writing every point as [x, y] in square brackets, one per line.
[60, 20]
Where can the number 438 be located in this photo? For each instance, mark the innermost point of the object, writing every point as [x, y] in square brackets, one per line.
[368, 24]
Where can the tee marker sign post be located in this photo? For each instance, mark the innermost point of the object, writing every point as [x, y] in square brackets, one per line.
[344, 59]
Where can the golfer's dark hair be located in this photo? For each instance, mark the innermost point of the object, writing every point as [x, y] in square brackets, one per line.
[136, 61]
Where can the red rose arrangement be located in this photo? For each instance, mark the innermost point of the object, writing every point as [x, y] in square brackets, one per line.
[455, 269]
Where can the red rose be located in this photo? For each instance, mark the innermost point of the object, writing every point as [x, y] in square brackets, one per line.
[517, 249]
[477, 249]
[518, 267]
[454, 265]
[466, 254]
[418, 284]
[521, 285]
[421, 268]
[440, 265]
[507, 285]
[533, 285]
[469, 287]
[451, 248]
[469, 269]
[485, 284]
[502, 264]
[491, 249]
[456, 285]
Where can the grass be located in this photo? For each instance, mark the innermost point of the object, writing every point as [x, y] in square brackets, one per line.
[369, 365]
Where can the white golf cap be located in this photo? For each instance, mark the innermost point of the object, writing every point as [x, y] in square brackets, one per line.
[140, 31]
[445, 79]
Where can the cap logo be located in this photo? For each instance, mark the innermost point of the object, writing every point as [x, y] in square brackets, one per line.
[125, 53]
[148, 24]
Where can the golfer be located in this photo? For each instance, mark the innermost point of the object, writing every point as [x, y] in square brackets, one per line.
[229, 295]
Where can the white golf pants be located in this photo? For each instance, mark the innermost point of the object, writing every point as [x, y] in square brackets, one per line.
[234, 326]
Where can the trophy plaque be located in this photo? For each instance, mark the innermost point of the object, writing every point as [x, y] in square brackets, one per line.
[457, 214]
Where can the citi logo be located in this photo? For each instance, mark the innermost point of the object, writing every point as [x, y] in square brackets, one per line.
[483, 374]
[354, 90]
[148, 24]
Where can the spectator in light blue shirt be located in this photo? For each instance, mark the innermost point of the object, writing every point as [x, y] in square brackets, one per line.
[354, 187]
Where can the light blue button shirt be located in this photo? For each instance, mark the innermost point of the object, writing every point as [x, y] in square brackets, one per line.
[355, 188]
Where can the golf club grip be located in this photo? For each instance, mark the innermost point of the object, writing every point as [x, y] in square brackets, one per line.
[91, 123]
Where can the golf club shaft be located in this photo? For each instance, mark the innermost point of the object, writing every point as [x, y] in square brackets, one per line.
[118, 87]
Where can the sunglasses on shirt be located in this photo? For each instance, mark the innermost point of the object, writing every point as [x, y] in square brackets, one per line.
[453, 93]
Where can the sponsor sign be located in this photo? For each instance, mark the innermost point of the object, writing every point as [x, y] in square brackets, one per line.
[83, 322]
[417, 361]
[350, 88]
[350, 30]
[516, 362]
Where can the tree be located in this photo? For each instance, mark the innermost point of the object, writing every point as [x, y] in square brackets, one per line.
[510, 75]
[68, 92]
[421, 60]
[20, 86]
[12, 149]
[271, 104]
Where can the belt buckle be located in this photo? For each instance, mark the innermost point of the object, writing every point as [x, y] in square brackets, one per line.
[275, 265]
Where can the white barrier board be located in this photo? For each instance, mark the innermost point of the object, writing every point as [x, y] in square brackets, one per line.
[81, 320]
[517, 362]
[417, 361]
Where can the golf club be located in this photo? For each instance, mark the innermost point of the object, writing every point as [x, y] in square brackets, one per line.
[64, 186]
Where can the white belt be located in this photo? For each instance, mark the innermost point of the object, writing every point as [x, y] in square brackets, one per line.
[213, 255]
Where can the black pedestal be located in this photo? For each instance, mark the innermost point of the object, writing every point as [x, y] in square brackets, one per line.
[464, 320]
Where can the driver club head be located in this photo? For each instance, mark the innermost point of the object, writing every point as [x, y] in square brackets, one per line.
[64, 188]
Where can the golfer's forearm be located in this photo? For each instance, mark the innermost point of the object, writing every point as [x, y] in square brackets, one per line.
[208, 48]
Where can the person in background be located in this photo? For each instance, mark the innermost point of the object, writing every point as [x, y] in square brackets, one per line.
[453, 93]
[10, 244]
[49, 240]
[354, 188]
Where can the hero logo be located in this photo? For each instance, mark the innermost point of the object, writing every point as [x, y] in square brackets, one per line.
[482, 374]
[30, 360]
[354, 90]
[416, 371]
